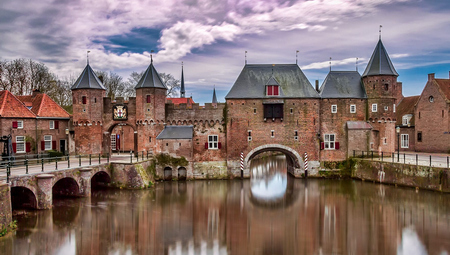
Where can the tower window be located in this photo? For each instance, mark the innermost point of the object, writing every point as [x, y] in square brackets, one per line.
[431, 99]
[272, 133]
[249, 135]
[292, 110]
[95, 100]
[353, 108]
[334, 108]
[374, 107]
[83, 99]
[386, 86]
[148, 99]
[254, 110]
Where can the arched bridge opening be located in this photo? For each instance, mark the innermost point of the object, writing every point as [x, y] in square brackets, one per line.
[66, 187]
[23, 198]
[293, 159]
[100, 180]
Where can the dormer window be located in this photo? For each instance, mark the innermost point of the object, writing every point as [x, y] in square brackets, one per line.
[406, 119]
[273, 90]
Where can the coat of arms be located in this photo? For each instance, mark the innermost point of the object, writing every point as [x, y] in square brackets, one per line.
[120, 112]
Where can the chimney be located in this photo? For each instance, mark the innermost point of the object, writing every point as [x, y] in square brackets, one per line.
[35, 92]
[317, 86]
[430, 76]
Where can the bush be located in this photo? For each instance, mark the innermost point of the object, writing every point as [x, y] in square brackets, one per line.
[54, 154]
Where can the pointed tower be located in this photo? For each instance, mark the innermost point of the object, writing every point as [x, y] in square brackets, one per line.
[150, 108]
[182, 90]
[214, 98]
[383, 94]
[87, 97]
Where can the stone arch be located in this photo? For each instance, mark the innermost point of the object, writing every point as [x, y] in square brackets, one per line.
[100, 179]
[195, 122]
[106, 143]
[182, 173]
[292, 155]
[184, 122]
[66, 186]
[190, 122]
[23, 197]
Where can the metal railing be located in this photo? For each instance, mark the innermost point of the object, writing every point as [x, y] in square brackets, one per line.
[30, 165]
[409, 158]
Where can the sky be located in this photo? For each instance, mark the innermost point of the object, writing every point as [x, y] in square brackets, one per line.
[211, 37]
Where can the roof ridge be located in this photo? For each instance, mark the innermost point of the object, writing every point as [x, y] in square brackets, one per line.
[40, 105]
[3, 103]
[21, 103]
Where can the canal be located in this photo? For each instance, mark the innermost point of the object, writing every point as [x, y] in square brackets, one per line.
[272, 213]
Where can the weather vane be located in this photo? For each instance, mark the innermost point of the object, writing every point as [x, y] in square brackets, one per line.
[330, 64]
[151, 56]
[380, 31]
[357, 64]
[296, 57]
[87, 56]
[245, 57]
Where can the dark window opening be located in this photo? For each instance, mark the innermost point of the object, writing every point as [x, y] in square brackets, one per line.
[273, 111]
[83, 99]
[419, 115]
[295, 133]
[249, 133]
[150, 139]
[292, 110]
[254, 110]
[442, 113]
[373, 86]
[148, 99]
[95, 100]
[419, 136]
[386, 86]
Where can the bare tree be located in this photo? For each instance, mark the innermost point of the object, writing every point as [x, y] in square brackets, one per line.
[115, 86]
[172, 84]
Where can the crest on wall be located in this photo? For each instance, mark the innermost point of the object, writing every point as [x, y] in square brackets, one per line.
[120, 112]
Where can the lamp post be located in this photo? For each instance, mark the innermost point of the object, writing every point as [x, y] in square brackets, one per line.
[397, 129]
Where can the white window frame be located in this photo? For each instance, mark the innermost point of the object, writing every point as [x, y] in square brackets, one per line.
[20, 124]
[334, 108]
[249, 137]
[272, 133]
[374, 107]
[404, 140]
[329, 141]
[393, 108]
[384, 140]
[20, 143]
[113, 142]
[52, 124]
[406, 119]
[353, 108]
[48, 142]
[213, 142]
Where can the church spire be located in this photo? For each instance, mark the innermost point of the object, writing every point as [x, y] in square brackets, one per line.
[214, 99]
[182, 90]
[380, 63]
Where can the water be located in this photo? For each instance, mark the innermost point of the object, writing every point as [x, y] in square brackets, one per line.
[270, 214]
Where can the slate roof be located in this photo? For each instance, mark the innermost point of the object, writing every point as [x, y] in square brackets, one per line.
[43, 106]
[11, 106]
[444, 86]
[88, 80]
[343, 84]
[176, 132]
[150, 79]
[352, 125]
[406, 106]
[380, 63]
[252, 81]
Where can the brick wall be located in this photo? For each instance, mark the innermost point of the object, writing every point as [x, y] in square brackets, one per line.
[410, 131]
[429, 119]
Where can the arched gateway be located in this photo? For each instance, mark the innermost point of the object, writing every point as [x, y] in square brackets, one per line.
[294, 160]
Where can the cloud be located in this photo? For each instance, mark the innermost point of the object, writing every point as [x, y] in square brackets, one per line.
[326, 64]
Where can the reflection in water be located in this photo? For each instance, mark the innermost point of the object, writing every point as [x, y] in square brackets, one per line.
[219, 217]
[268, 178]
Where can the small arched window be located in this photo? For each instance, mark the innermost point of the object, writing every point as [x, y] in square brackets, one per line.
[431, 99]
[386, 86]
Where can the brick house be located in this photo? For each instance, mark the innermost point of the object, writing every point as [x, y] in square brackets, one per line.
[35, 122]
[432, 121]
[406, 123]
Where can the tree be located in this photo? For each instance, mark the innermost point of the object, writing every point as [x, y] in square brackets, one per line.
[115, 86]
[172, 84]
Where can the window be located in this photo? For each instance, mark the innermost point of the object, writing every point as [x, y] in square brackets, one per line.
[405, 141]
[419, 136]
[374, 107]
[334, 108]
[213, 142]
[83, 99]
[148, 99]
[295, 135]
[249, 135]
[386, 86]
[273, 111]
[393, 108]
[386, 108]
[149, 139]
[52, 124]
[272, 133]
[384, 140]
[48, 142]
[353, 108]
[20, 124]
[20, 144]
[431, 99]
[273, 90]
[406, 119]
[329, 141]
[292, 111]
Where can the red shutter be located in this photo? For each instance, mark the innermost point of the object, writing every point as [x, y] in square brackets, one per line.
[275, 90]
[322, 145]
[148, 99]
[14, 124]
[206, 145]
[56, 124]
[42, 145]
[84, 99]
[14, 147]
[336, 145]
[28, 147]
[219, 145]
[53, 145]
[269, 90]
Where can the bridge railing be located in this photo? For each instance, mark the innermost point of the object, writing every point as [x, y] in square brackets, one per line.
[44, 164]
[409, 158]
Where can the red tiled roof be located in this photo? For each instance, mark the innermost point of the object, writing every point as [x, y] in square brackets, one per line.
[444, 85]
[11, 106]
[406, 106]
[180, 100]
[44, 106]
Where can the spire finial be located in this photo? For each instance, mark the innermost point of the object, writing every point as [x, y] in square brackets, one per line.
[379, 31]
[296, 57]
[272, 68]
[357, 64]
[182, 89]
[245, 57]
[330, 64]
[151, 56]
[87, 56]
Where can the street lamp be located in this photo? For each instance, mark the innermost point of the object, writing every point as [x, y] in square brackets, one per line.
[397, 129]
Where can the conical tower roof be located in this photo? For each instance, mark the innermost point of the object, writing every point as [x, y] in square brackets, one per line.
[88, 80]
[214, 99]
[182, 89]
[150, 79]
[380, 63]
